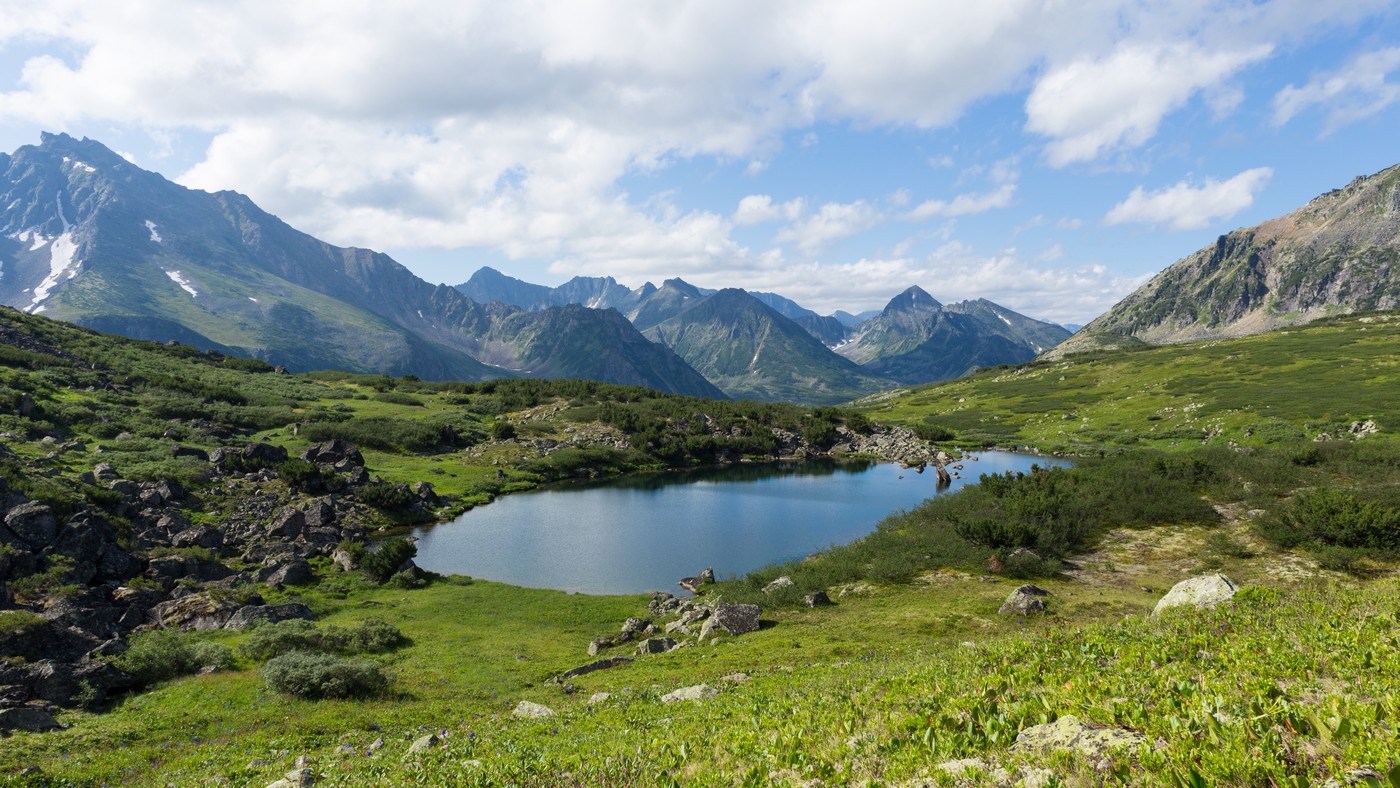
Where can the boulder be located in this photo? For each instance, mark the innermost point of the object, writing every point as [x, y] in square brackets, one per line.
[731, 617]
[319, 514]
[251, 615]
[779, 584]
[695, 693]
[33, 523]
[423, 744]
[294, 571]
[332, 452]
[205, 536]
[1068, 733]
[526, 710]
[662, 603]
[1024, 601]
[633, 627]
[27, 718]
[196, 611]
[264, 453]
[178, 451]
[1203, 591]
[300, 777]
[288, 523]
[657, 645]
[816, 599]
[596, 665]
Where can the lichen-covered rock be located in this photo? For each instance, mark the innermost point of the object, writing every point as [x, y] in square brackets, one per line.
[1068, 733]
[656, 645]
[27, 718]
[1024, 601]
[423, 744]
[731, 617]
[249, 615]
[779, 584]
[526, 710]
[816, 599]
[697, 692]
[1204, 591]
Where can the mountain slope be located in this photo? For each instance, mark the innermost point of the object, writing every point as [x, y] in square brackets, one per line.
[916, 339]
[751, 351]
[90, 238]
[1335, 255]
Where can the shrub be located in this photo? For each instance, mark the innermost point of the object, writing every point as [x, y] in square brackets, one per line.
[384, 562]
[315, 676]
[502, 430]
[934, 433]
[397, 398]
[385, 495]
[372, 635]
[163, 654]
[1330, 517]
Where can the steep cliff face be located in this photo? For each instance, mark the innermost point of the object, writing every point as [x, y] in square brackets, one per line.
[1335, 255]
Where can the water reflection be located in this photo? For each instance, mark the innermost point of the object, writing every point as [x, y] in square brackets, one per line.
[645, 532]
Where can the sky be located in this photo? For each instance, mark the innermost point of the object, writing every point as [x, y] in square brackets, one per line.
[1048, 155]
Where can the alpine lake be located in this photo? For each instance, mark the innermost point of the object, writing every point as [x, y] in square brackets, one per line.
[644, 532]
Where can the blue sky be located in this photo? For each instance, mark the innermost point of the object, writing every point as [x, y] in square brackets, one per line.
[1045, 155]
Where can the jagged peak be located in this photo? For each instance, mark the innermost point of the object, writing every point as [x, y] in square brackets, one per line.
[682, 286]
[913, 298]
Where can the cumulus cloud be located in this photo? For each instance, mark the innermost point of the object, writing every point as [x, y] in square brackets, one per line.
[832, 222]
[1357, 90]
[760, 208]
[964, 204]
[1096, 104]
[1183, 206]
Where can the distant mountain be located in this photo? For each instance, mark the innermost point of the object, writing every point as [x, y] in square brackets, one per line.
[916, 339]
[86, 236]
[751, 351]
[596, 292]
[1339, 253]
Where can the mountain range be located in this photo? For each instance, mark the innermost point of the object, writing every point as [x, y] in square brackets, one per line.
[1338, 254]
[774, 348]
[88, 237]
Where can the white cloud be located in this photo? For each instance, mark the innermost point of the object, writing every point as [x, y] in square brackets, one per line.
[1355, 91]
[760, 208]
[1183, 206]
[832, 222]
[1094, 105]
[964, 204]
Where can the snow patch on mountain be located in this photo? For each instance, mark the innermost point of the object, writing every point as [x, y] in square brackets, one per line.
[63, 265]
[81, 165]
[179, 279]
[150, 225]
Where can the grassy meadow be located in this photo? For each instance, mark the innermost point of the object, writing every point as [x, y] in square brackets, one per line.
[1191, 459]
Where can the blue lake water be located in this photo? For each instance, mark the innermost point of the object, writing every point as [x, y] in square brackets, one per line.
[643, 533]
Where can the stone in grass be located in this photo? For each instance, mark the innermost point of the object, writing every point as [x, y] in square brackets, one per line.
[975, 771]
[1362, 775]
[423, 744]
[27, 718]
[816, 599]
[1204, 591]
[779, 584]
[296, 778]
[1068, 733]
[526, 710]
[697, 692]
[1024, 601]
[731, 617]
[657, 645]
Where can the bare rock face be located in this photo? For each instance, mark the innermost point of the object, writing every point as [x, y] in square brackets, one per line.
[1203, 591]
[1024, 601]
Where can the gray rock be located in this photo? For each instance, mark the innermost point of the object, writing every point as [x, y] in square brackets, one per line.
[33, 523]
[423, 744]
[1024, 601]
[1361, 775]
[596, 665]
[196, 611]
[250, 615]
[296, 778]
[695, 693]
[288, 523]
[816, 599]
[731, 617]
[779, 584]
[633, 627]
[1068, 733]
[27, 718]
[293, 571]
[656, 645]
[199, 536]
[1204, 591]
[526, 710]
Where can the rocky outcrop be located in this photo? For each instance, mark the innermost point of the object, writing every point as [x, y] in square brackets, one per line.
[731, 618]
[1024, 601]
[1204, 591]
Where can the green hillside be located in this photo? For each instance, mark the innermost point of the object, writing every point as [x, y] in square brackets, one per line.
[1328, 378]
[912, 677]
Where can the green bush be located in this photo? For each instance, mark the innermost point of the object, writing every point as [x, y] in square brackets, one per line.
[316, 676]
[502, 430]
[1327, 516]
[163, 654]
[934, 433]
[384, 562]
[372, 635]
[386, 495]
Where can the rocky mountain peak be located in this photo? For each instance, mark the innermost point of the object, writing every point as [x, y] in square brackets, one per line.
[915, 298]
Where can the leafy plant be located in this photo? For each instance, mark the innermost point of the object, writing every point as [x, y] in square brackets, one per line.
[315, 676]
